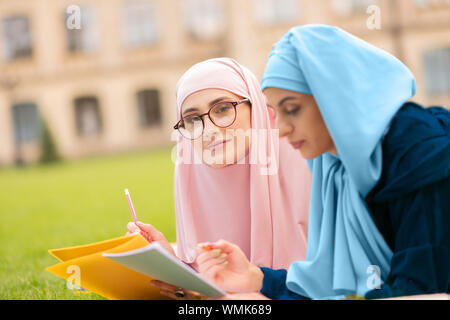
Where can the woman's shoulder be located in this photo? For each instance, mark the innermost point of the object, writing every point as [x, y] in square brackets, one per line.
[431, 119]
[416, 150]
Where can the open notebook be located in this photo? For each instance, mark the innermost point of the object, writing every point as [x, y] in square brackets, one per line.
[122, 268]
[156, 262]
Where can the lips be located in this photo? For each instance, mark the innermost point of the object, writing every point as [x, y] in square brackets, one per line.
[216, 144]
[297, 144]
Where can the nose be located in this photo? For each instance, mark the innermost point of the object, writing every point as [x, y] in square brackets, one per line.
[284, 127]
[210, 129]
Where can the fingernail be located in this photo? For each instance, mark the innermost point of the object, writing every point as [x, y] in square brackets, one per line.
[222, 256]
[215, 252]
[224, 263]
[207, 246]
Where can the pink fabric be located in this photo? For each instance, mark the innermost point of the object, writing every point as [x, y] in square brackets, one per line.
[265, 214]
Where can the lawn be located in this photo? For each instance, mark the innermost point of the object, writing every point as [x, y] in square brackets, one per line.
[75, 203]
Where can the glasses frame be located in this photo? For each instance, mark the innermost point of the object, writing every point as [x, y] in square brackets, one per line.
[180, 123]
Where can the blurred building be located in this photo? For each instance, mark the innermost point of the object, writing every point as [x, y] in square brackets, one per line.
[102, 73]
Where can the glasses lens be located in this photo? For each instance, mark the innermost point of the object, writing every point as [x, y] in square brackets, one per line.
[223, 114]
[192, 127]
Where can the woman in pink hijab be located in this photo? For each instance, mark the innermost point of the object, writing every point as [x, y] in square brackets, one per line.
[234, 179]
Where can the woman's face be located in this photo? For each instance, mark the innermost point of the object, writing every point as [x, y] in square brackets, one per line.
[300, 121]
[219, 147]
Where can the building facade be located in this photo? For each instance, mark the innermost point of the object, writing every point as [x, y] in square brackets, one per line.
[102, 73]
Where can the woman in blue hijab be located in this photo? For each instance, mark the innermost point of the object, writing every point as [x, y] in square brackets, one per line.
[379, 222]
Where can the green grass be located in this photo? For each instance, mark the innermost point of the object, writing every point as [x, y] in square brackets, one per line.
[75, 203]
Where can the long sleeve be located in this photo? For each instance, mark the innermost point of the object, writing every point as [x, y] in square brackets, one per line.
[421, 261]
[274, 285]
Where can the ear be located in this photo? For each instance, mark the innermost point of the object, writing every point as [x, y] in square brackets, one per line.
[272, 115]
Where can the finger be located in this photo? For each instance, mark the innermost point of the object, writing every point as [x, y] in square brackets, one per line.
[169, 294]
[213, 254]
[225, 246]
[202, 258]
[189, 295]
[151, 231]
[163, 285]
[204, 246]
[195, 295]
[130, 233]
[132, 227]
[146, 236]
[203, 269]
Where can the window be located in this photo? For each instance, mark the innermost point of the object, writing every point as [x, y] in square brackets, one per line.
[27, 123]
[85, 38]
[347, 7]
[149, 108]
[204, 19]
[87, 115]
[17, 38]
[141, 25]
[437, 71]
[272, 12]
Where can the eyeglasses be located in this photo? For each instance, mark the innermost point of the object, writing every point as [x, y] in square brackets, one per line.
[222, 114]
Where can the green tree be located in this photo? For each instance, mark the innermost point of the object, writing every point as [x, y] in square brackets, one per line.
[49, 149]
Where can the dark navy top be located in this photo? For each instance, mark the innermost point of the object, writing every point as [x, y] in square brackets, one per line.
[410, 205]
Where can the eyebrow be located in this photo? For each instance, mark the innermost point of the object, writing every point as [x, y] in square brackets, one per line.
[213, 102]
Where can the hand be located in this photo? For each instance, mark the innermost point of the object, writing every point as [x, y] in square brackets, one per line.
[244, 296]
[151, 234]
[227, 266]
[168, 290]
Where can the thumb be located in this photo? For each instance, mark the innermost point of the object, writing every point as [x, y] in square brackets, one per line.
[153, 233]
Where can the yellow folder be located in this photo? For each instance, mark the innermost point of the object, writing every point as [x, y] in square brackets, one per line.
[103, 276]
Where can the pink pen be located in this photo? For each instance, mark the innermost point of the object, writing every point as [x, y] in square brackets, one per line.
[127, 194]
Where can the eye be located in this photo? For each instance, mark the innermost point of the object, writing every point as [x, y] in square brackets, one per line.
[222, 108]
[291, 110]
[189, 120]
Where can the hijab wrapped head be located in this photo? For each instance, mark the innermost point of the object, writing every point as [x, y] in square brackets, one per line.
[261, 204]
[358, 89]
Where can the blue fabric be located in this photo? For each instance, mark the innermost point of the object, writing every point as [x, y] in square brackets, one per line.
[411, 203]
[415, 152]
[358, 89]
[274, 285]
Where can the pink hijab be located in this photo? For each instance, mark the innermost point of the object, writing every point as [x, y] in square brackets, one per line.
[264, 212]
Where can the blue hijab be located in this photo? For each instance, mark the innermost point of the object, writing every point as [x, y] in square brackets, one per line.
[358, 89]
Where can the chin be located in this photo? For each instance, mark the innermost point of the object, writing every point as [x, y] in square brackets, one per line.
[216, 161]
[307, 154]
